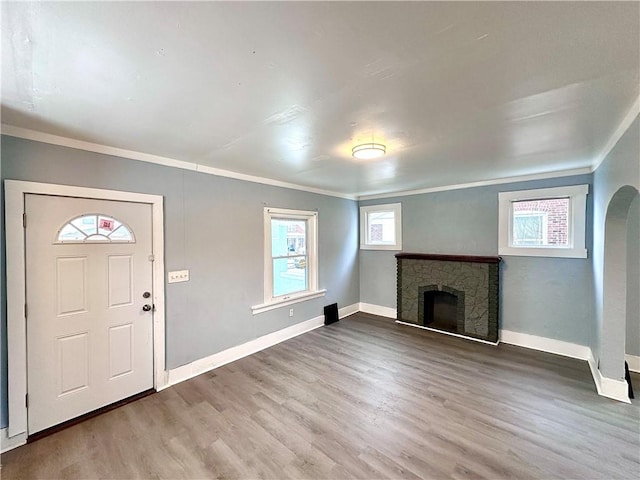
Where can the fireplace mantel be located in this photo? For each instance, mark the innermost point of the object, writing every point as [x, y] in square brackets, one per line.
[449, 258]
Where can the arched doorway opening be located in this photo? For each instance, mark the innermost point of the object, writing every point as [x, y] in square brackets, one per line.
[620, 281]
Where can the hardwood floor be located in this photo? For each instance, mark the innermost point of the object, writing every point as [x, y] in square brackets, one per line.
[362, 398]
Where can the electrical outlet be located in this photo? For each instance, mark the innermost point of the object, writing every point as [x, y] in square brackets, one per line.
[178, 276]
[291, 312]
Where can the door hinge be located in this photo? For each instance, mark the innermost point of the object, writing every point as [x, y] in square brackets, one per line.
[26, 311]
[24, 220]
[26, 400]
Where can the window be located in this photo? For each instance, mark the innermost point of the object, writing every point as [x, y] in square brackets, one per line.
[381, 227]
[291, 263]
[289, 256]
[548, 222]
[94, 228]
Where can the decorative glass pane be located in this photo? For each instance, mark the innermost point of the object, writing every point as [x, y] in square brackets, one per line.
[541, 223]
[121, 234]
[97, 238]
[106, 225]
[70, 233]
[95, 228]
[86, 224]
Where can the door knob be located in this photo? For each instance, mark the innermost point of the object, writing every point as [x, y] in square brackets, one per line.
[146, 307]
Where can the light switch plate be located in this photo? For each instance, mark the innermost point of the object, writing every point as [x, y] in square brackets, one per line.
[178, 276]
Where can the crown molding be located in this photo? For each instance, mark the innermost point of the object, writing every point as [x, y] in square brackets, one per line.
[484, 183]
[626, 122]
[37, 136]
[42, 137]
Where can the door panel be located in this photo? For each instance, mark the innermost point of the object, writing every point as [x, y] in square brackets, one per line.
[73, 360]
[121, 350]
[120, 274]
[71, 283]
[89, 343]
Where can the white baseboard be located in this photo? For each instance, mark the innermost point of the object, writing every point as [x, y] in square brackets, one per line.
[8, 443]
[608, 387]
[193, 369]
[348, 310]
[479, 340]
[197, 367]
[378, 310]
[633, 362]
[534, 342]
[545, 344]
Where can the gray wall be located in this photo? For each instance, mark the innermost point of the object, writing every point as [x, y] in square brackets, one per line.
[633, 280]
[214, 228]
[548, 297]
[621, 167]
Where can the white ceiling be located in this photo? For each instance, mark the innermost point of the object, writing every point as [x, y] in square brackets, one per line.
[459, 92]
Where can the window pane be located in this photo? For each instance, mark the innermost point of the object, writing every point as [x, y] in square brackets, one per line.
[381, 228]
[289, 275]
[88, 224]
[106, 225]
[97, 238]
[541, 223]
[70, 234]
[288, 237]
[121, 234]
[527, 229]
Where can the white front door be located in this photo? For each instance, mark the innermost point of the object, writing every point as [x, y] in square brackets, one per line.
[89, 305]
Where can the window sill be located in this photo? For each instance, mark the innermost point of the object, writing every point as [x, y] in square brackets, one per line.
[543, 252]
[288, 300]
[366, 246]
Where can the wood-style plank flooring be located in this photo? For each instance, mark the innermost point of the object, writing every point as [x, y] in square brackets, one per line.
[363, 398]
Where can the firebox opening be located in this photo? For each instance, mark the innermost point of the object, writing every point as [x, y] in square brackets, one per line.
[441, 311]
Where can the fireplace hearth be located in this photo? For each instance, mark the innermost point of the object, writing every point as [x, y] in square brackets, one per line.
[450, 293]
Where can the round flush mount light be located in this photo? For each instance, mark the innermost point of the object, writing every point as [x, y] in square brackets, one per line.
[368, 151]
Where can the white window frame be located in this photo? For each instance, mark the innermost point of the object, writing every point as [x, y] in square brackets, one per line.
[576, 235]
[365, 211]
[271, 302]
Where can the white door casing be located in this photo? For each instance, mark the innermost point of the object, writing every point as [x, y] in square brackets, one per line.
[89, 341]
[15, 193]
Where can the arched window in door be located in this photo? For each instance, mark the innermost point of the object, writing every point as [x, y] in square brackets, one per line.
[94, 228]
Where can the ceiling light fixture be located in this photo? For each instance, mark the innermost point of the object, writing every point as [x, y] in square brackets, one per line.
[368, 151]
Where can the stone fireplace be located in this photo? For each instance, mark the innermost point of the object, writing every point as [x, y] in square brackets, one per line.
[455, 294]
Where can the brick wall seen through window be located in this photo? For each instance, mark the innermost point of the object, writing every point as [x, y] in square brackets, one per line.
[552, 217]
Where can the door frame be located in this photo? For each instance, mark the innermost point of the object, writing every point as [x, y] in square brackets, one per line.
[14, 195]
